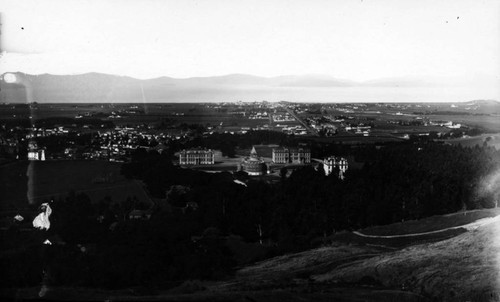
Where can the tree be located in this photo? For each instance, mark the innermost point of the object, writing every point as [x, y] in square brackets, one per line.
[283, 172]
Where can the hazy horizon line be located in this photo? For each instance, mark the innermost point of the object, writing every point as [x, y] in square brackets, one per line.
[262, 101]
[318, 75]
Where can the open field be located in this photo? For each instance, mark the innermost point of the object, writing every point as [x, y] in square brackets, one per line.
[491, 139]
[393, 128]
[137, 114]
[36, 181]
[488, 122]
[352, 139]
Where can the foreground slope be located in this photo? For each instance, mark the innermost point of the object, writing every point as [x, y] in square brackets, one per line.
[464, 267]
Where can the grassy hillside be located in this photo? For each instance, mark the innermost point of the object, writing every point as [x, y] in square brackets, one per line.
[461, 266]
[431, 224]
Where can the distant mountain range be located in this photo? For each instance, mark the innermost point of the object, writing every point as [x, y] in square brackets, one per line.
[102, 88]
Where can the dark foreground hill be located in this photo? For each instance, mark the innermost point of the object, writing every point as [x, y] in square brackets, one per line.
[443, 258]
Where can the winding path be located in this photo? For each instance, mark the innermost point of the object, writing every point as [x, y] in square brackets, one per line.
[469, 226]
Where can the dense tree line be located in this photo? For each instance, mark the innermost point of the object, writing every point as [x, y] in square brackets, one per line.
[74, 122]
[397, 182]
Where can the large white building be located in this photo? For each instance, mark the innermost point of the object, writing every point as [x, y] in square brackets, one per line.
[332, 162]
[196, 157]
[291, 155]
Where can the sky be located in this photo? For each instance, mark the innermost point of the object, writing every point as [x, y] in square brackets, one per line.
[349, 39]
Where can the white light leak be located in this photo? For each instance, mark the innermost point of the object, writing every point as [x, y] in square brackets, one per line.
[10, 78]
[494, 182]
[490, 186]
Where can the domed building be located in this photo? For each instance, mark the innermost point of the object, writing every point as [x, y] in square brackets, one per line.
[253, 164]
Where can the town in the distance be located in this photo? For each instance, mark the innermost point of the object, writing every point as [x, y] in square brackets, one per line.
[112, 132]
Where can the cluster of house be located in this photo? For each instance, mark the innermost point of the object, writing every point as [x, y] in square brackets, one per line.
[34, 152]
[112, 145]
[258, 115]
[359, 129]
[448, 124]
[294, 130]
[330, 125]
[43, 132]
[285, 117]
[118, 143]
